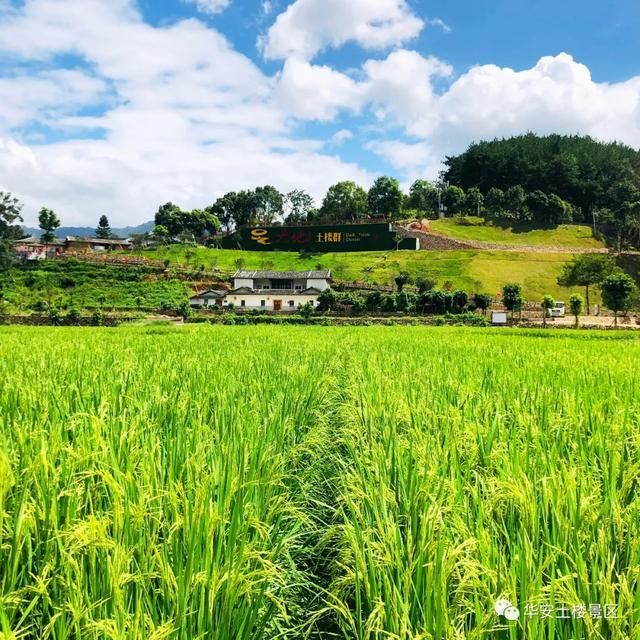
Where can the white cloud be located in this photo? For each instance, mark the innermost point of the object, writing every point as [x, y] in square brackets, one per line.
[309, 26]
[440, 24]
[557, 95]
[188, 119]
[341, 136]
[314, 92]
[210, 7]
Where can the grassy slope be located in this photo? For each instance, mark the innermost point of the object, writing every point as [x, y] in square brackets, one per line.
[76, 284]
[469, 270]
[472, 228]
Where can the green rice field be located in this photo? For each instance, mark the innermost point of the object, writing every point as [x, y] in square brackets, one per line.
[240, 483]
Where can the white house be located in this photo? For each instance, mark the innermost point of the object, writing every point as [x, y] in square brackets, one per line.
[277, 290]
[209, 298]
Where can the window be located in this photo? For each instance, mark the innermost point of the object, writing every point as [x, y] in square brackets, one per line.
[243, 303]
[292, 303]
[263, 303]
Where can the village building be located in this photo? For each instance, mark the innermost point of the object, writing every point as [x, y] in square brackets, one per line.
[35, 249]
[268, 290]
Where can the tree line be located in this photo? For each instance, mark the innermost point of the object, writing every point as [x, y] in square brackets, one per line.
[584, 180]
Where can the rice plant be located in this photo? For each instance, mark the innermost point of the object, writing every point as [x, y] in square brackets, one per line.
[313, 482]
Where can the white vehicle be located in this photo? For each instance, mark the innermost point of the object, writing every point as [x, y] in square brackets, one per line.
[558, 310]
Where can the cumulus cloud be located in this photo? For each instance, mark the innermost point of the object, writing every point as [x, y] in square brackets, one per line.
[309, 26]
[187, 117]
[147, 114]
[210, 6]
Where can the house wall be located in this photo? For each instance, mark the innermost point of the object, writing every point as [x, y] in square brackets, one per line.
[252, 300]
[243, 282]
[318, 283]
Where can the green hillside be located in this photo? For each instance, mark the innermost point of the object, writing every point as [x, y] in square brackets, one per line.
[475, 229]
[470, 270]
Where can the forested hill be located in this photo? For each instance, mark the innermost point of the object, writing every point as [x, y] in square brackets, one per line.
[580, 170]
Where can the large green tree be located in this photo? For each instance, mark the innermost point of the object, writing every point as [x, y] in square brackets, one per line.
[385, 198]
[586, 270]
[299, 206]
[345, 201]
[268, 204]
[423, 196]
[49, 222]
[617, 289]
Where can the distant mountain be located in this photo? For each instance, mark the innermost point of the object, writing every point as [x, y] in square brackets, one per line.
[91, 231]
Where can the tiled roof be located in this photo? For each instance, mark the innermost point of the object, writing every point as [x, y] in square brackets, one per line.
[284, 275]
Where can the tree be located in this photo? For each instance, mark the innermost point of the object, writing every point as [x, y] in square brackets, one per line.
[200, 223]
[344, 201]
[423, 196]
[298, 206]
[453, 198]
[10, 212]
[474, 201]
[576, 304]
[160, 233]
[547, 304]
[585, 271]
[425, 284]
[402, 279]
[305, 310]
[515, 204]
[617, 289]
[326, 300]
[169, 215]
[268, 204]
[482, 301]
[49, 222]
[623, 200]
[512, 297]
[224, 209]
[495, 203]
[385, 198]
[103, 230]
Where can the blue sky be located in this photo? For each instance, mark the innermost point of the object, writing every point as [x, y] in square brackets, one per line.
[115, 106]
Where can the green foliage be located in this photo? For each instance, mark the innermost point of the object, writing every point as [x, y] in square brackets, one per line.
[579, 170]
[576, 306]
[512, 297]
[425, 284]
[305, 310]
[482, 301]
[548, 302]
[49, 222]
[299, 206]
[345, 201]
[197, 224]
[75, 284]
[385, 198]
[103, 230]
[617, 289]
[402, 279]
[423, 196]
[453, 198]
[586, 271]
[10, 214]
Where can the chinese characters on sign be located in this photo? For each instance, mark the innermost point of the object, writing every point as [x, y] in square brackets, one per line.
[321, 238]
